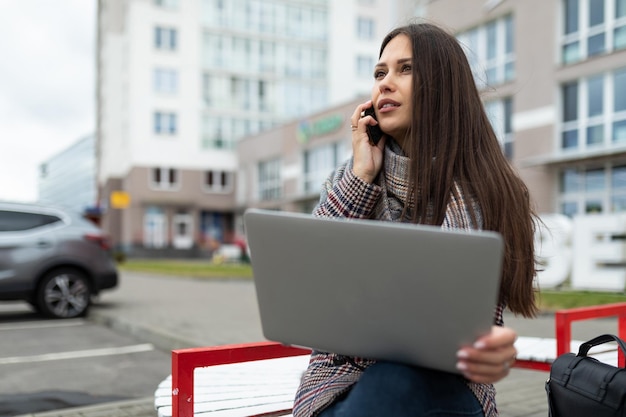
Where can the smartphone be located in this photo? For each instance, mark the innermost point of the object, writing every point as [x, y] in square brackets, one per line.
[373, 132]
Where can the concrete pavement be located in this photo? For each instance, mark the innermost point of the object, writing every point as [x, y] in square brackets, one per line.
[176, 313]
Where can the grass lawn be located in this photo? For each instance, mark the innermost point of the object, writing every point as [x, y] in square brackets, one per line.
[551, 300]
[548, 300]
[185, 268]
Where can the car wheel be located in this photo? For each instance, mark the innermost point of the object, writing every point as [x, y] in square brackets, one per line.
[64, 293]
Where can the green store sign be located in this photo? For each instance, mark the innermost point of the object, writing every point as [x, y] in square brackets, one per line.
[307, 129]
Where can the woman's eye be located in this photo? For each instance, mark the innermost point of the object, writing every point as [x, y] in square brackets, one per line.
[379, 74]
[406, 68]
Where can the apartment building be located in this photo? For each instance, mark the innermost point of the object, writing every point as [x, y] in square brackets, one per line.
[68, 178]
[179, 82]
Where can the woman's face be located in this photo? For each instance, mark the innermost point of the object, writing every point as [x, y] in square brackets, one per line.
[393, 86]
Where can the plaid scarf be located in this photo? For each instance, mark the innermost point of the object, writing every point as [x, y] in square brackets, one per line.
[394, 181]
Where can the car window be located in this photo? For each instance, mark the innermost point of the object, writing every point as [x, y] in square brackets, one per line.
[13, 221]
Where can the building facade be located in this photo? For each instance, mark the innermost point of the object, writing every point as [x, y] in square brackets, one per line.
[554, 75]
[68, 179]
[179, 82]
[284, 168]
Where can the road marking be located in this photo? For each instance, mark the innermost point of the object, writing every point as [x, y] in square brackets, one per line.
[42, 325]
[90, 353]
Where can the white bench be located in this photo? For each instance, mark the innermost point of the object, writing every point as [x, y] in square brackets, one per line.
[260, 379]
[248, 388]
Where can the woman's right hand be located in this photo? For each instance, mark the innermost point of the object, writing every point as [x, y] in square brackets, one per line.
[368, 158]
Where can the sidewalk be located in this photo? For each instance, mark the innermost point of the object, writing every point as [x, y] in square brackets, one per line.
[177, 313]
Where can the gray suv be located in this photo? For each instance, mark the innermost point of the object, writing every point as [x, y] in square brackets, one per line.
[52, 258]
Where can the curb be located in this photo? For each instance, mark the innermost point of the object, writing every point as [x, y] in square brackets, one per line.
[162, 340]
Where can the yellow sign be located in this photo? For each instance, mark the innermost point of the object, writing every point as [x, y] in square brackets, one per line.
[120, 199]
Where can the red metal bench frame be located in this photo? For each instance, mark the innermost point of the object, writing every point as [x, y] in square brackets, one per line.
[563, 320]
[185, 361]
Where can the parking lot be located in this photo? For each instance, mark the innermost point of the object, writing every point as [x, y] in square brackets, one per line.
[52, 364]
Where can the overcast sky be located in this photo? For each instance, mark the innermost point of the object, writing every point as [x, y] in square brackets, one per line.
[47, 92]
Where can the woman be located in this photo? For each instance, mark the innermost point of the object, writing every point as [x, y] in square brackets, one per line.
[438, 163]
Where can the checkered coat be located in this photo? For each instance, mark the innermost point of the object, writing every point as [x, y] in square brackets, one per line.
[344, 195]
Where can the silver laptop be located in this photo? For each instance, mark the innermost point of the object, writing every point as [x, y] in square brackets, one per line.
[400, 292]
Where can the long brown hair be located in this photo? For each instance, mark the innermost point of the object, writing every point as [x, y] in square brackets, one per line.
[450, 140]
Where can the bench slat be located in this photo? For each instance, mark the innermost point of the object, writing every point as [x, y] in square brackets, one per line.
[247, 388]
[544, 349]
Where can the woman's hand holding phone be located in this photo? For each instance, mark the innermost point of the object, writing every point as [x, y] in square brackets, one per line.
[367, 150]
[373, 131]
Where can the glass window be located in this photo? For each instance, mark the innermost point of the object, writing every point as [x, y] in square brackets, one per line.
[364, 65]
[619, 131]
[164, 178]
[595, 94]
[569, 208]
[154, 226]
[509, 34]
[593, 206]
[165, 80]
[365, 28]
[596, 12]
[165, 38]
[571, 52]
[620, 8]
[595, 135]
[570, 101]
[619, 38]
[270, 187]
[569, 139]
[589, 29]
[595, 44]
[500, 115]
[594, 189]
[618, 203]
[594, 180]
[618, 186]
[619, 90]
[318, 163]
[165, 123]
[217, 132]
[594, 124]
[15, 221]
[206, 88]
[618, 177]
[571, 16]
[570, 181]
[492, 40]
[217, 181]
[490, 50]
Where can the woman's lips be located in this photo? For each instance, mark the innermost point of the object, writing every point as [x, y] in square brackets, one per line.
[386, 105]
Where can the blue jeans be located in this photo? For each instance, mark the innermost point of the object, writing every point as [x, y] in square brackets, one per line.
[390, 389]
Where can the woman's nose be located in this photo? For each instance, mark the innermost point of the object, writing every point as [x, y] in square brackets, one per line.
[387, 83]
